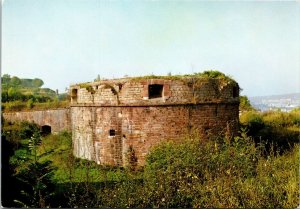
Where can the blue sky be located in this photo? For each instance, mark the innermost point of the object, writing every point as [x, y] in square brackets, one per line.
[71, 41]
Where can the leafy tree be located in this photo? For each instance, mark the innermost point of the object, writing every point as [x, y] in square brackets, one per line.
[5, 79]
[27, 83]
[4, 95]
[37, 82]
[245, 104]
[13, 94]
[15, 81]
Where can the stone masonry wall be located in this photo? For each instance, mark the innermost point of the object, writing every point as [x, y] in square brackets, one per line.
[132, 92]
[111, 117]
[143, 127]
[58, 119]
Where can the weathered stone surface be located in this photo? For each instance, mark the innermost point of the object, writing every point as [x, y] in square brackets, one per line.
[132, 92]
[58, 119]
[118, 114]
[108, 118]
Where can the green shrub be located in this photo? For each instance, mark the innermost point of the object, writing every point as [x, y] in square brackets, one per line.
[276, 184]
[274, 127]
[131, 159]
[281, 119]
[245, 104]
[253, 121]
[182, 175]
[14, 106]
[29, 104]
[200, 173]
[211, 74]
[16, 132]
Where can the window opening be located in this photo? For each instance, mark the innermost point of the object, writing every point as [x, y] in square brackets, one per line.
[155, 90]
[74, 95]
[235, 92]
[112, 132]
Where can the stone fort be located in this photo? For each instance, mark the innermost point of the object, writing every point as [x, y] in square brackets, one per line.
[109, 118]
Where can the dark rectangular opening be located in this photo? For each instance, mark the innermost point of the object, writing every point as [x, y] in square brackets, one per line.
[46, 130]
[235, 92]
[112, 132]
[155, 90]
[74, 95]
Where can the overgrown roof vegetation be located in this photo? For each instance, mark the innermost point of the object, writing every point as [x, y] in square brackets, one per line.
[204, 74]
[27, 94]
[214, 74]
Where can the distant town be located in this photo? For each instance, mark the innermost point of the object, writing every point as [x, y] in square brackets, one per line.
[285, 102]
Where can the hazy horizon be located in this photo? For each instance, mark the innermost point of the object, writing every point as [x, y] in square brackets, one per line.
[291, 93]
[72, 41]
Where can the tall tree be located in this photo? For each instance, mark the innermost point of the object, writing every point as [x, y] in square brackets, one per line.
[5, 79]
[15, 81]
[245, 104]
[37, 82]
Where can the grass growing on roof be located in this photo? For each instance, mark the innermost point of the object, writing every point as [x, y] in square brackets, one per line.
[206, 74]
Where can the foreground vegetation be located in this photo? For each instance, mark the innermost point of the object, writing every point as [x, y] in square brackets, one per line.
[223, 172]
[281, 129]
[257, 169]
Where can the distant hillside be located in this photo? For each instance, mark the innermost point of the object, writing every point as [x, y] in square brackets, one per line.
[281, 96]
[285, 102]
[24, 89]
[14, 81]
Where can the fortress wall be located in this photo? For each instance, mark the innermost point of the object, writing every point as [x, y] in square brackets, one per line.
[108, 118]
[111, 117]
[58, 119]
[130, 92]
[143, 127]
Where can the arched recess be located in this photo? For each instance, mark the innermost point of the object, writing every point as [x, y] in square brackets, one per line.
[45, 130]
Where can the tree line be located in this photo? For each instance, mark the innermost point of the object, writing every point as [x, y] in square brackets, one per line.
[24, 93]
